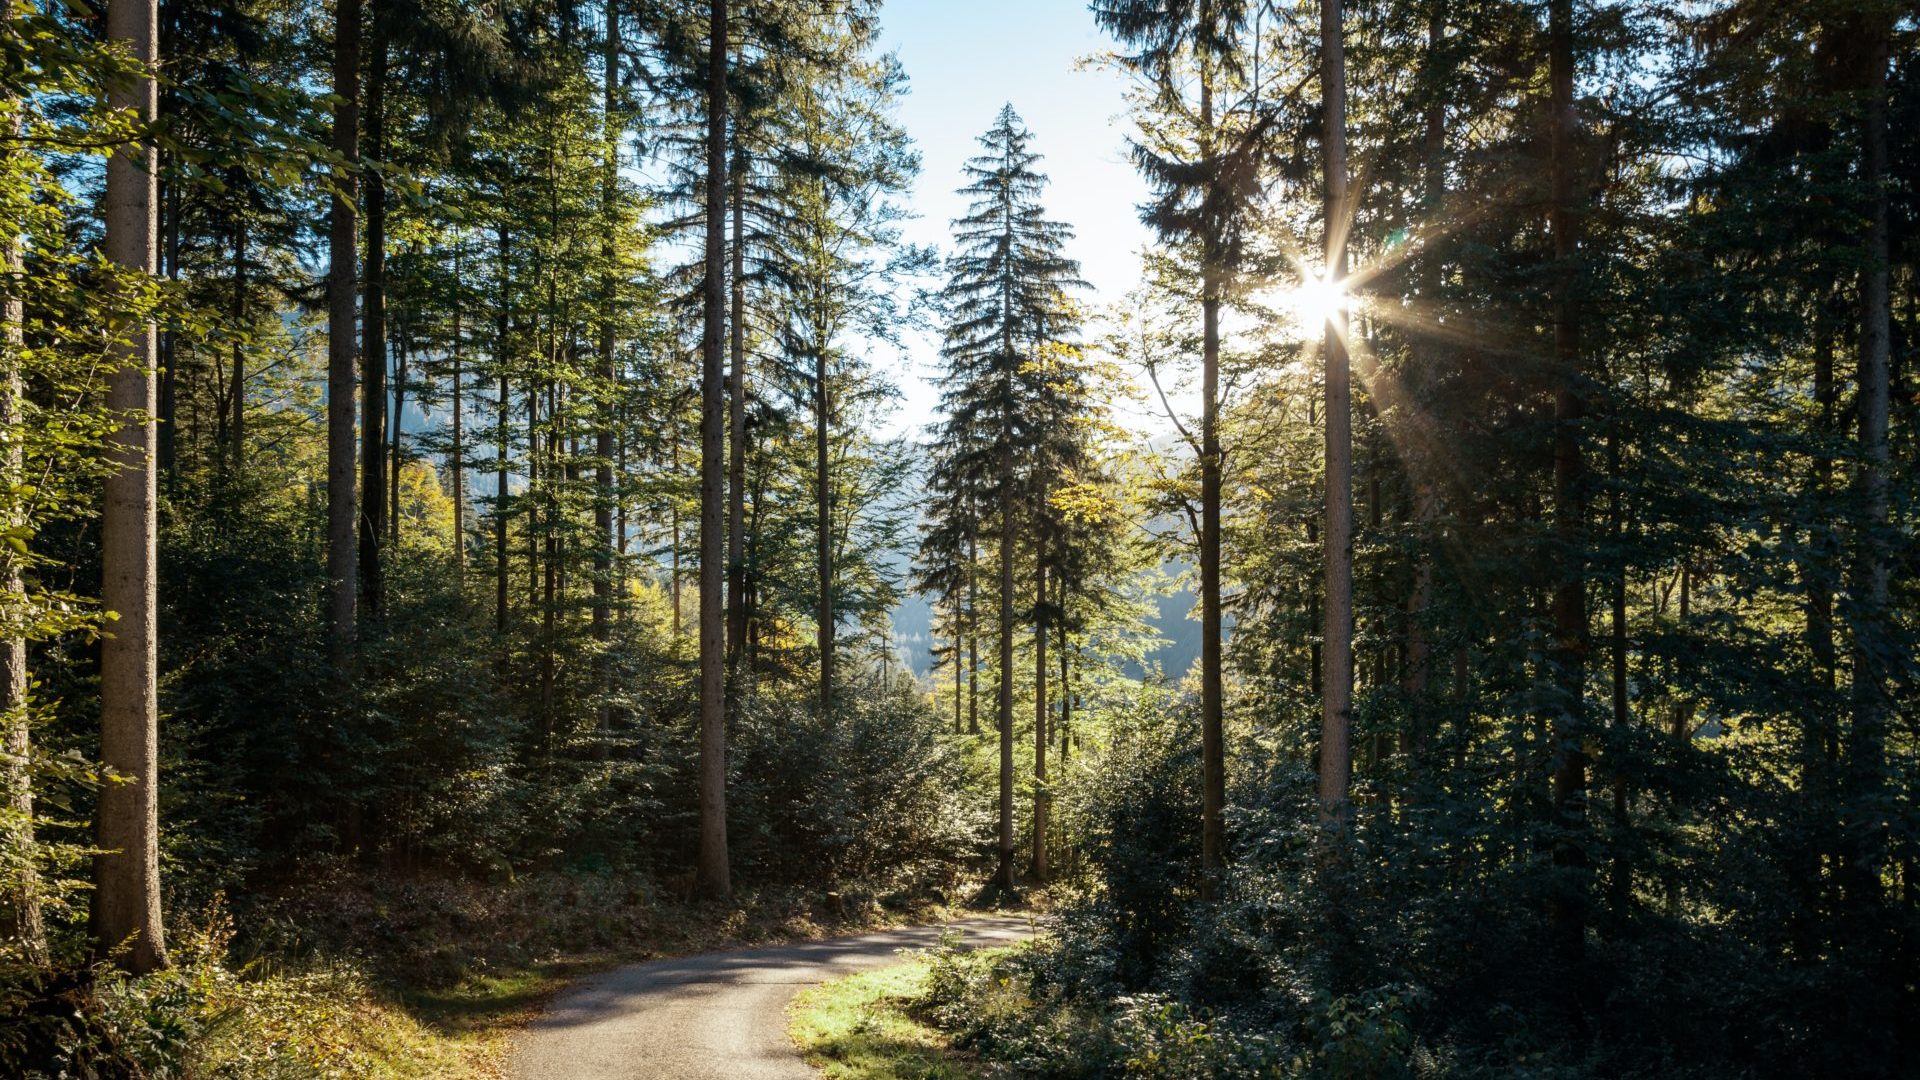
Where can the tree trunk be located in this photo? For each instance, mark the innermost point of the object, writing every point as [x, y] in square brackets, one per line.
[713, 880]
[373, 331]
[673, 552]
[1066, 695]
[1336, 681]
[237, 388]
[343, 558]
[603, 500]
[397, 449]
[1869, 584]
[823, 509]
[503, 404]
[959, 704]
[1040, 732]
[737, 419]
[1569, 789]
[1213, 754]
[1426, 500]
[1003, 876]
[973, 627]
[24, 922]
[126, 898]
[457, 465]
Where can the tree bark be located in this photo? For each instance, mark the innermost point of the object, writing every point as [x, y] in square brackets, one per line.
[1003, 876]
[1336, 681]
[457, 466]
[398, 435]
[343, 558]
[1040, 733]
[737, 418]
[603, 501]
[503, 405]
[1568, 727]
[1869, 584]
[126, 898]
[1213, 754]
[973, 627]
[373, 330]
[823, 533]
[713, 879]
[237, 387]
[24, 921]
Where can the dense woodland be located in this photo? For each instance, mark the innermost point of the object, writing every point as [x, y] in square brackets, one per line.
[446, 443]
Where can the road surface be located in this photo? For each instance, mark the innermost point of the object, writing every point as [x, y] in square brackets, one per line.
[721, 1016]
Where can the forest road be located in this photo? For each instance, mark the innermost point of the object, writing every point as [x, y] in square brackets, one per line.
[720, 1016]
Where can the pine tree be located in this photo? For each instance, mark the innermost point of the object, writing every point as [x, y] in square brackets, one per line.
[1007, 310]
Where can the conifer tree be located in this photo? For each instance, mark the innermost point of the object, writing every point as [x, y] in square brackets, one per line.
[1006, 299]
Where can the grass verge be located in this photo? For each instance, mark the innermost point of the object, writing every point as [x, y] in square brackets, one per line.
[862, 1027]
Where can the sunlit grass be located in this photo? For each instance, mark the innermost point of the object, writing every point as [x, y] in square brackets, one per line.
[861, 1028]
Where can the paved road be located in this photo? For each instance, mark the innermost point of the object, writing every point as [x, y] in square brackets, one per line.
[722, 1016]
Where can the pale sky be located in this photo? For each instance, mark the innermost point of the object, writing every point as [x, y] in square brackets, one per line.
[966, 58]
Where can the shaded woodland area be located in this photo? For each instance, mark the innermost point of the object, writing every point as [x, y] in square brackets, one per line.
[449, 515]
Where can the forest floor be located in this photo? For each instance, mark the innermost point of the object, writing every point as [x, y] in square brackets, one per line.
[456, 969]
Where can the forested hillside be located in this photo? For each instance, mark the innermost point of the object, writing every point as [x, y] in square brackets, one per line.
[453, 515]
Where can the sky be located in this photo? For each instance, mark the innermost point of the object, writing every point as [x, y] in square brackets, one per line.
[963, 64]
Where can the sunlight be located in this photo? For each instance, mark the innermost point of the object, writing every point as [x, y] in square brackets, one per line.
[1314, 303]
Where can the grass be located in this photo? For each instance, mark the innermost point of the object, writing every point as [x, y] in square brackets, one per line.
[862, 1027]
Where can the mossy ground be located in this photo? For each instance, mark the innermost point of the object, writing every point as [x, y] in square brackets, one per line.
[863, 1027]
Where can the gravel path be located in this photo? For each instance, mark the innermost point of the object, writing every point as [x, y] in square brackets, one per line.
[721, 1016]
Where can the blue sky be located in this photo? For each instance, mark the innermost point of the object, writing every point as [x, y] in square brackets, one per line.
[966, 58]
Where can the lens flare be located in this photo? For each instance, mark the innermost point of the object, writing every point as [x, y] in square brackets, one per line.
[1314, 303]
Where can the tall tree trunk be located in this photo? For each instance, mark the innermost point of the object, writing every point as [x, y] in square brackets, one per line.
[1869, 584]
[823, 533]
[959, 703]
[1003, 875]
[1569, 788]
[973, 627]
[1213, 753]
[737, 418]
[1040, 732]
[457, 465]
[343, 558]
[713, 879]
[1621, 886]
[24, 921]
[673, 551]
[536, 493]
[503, 405]
[397, 459]
[1336, 681]
[373, 331]
[1066, 690]
[550, 564]
[237, 388]
[126, 874]
[603, 500]
[1426, 499]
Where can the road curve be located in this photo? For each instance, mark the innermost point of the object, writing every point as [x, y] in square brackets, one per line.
[720, 1016]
